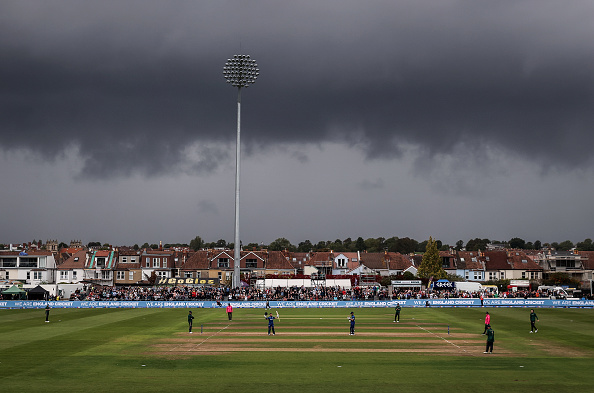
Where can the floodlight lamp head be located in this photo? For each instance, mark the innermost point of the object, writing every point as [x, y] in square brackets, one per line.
[241, 71]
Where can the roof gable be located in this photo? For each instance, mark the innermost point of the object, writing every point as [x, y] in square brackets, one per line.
[77, 261]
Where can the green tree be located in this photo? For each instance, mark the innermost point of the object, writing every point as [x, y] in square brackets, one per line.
[406, 245]
[320, 246]
[565, 246]
[348, 243]
[221, 243]
[196, 243]
[337, 246]
[431, 263]
[360, 244]
[477, 244]
[305, 246]
[558, 278]
[390, 243]
[252, 246]
[281, 244]
[537, 245]
[455, 277]
[516, 242]
[374, 244]
[422, 246]
[145, 245]
[459, 245]
[586, 245]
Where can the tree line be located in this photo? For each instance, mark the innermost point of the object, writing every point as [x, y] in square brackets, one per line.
[403, 245]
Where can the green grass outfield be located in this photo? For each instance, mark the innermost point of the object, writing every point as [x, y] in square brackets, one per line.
[150, 350]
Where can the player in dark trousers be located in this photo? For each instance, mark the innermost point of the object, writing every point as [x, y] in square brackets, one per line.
[533, 319]
[352, 321]
[397, 316]
[230, 311]
[487, 322]
[47, 310]
[490, 340]
[270, 323]
[190, 320]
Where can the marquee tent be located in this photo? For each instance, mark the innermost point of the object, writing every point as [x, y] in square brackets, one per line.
[37, 293]
[14, 292]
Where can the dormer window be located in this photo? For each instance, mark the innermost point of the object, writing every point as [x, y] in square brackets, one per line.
[223, 262]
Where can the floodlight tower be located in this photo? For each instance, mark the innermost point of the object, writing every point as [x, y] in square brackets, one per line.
[240, 71]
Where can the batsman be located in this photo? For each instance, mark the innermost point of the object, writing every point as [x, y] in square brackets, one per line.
[271, 319]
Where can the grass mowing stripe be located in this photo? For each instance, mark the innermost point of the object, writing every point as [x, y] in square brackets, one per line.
[128, 350]
[28, 330]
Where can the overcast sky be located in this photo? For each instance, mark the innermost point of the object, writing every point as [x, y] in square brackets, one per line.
[451, 119]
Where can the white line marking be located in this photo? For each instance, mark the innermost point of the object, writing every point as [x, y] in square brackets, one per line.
[449, 342]
[200, 343]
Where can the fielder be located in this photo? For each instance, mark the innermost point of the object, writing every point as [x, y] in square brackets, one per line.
[533, 319]
[397, 316]
[190, 321]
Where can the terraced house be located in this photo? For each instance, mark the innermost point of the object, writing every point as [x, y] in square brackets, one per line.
[126, 266]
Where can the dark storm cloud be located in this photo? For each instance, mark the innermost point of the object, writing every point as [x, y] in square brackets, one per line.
[137, 87]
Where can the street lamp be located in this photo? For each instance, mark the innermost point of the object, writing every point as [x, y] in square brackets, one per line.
[240, 71]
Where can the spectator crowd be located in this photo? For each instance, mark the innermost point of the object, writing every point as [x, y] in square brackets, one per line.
[318, 293]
